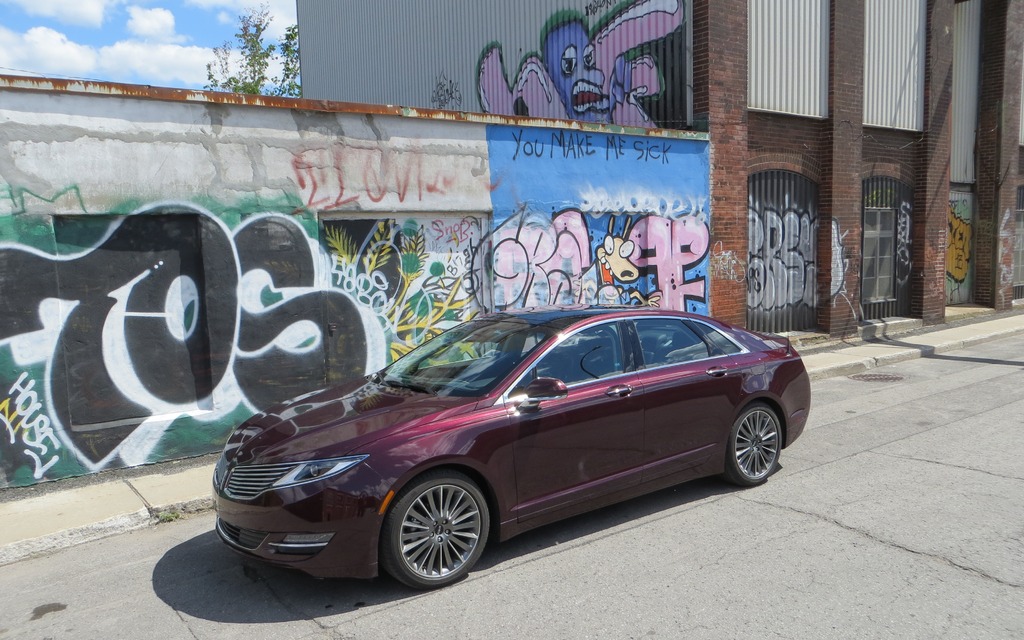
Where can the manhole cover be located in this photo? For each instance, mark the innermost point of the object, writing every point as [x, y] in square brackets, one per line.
[876, 377]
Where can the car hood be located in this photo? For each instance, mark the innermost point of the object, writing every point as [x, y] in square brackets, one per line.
[336, 422]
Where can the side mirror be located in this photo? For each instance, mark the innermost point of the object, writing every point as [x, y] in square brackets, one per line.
[542, 390]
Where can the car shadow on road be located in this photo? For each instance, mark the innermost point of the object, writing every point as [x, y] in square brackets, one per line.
[204, 579]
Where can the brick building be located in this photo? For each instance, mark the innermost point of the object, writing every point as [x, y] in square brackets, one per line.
[911, 216]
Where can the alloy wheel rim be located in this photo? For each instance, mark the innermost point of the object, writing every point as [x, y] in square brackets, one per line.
[757, 444]
[440, 531]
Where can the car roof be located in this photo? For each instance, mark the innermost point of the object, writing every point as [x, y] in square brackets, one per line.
[563, 316]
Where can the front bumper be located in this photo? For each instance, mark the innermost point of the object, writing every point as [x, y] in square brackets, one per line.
[345, 506]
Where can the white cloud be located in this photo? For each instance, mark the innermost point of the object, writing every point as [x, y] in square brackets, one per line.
[43, 51]
[152, 24]
[86, 13]
[166, 64]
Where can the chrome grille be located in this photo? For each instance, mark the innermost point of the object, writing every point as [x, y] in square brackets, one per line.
[245, 538]
[248, 481]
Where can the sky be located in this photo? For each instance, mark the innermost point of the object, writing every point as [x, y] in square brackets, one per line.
[164, 43]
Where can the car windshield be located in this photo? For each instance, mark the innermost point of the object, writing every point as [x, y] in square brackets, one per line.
[469, 360]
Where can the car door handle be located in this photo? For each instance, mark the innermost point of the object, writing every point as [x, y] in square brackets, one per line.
[717, 372]
[619, 391]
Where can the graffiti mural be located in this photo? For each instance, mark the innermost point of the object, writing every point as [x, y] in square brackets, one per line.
[413, 274]
[959, 248]
[616, 68]
[135, 338]
[782, 222]
[596, 218]
[576, 257]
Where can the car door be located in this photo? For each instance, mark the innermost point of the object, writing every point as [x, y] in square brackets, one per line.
[587, 444]
[690, 387]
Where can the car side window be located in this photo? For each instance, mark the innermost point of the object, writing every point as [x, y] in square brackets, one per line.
[720, 345]
[591, 354]
[668, 341]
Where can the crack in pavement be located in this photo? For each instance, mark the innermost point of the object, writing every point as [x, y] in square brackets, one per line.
[181, 617]
[946, 464]
[888, 543]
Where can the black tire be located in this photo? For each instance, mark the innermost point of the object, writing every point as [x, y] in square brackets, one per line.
[755, 442]
[435, 531]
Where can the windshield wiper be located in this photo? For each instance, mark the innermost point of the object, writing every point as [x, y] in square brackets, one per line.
[401, 384]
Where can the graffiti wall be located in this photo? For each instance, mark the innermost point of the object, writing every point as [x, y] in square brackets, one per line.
[613, 63]
[624, 62]
[128, 339]
[597, 218]
[187, 265]
[960, 248]
[782, 263]
[412, 273]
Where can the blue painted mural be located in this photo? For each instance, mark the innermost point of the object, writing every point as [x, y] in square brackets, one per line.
[598, 218]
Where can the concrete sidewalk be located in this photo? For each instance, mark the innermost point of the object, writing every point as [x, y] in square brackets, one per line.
[56, 519]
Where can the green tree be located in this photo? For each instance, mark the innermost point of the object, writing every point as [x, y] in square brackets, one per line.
[247, 73]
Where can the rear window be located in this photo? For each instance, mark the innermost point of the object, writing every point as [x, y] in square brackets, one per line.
[669, 341]
[720, 345]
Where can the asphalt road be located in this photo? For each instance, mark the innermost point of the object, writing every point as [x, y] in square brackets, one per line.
[898, 514]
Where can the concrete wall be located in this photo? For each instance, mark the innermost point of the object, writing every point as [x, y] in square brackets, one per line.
[172, 262]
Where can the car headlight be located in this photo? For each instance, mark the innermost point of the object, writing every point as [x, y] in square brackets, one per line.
[318, 470]
[220, 472]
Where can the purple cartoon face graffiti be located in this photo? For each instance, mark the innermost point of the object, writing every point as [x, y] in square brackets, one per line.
[597, 77]
[570, 59]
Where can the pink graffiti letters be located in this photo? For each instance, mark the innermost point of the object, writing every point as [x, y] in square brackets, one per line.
[577, 257]
[342, 175]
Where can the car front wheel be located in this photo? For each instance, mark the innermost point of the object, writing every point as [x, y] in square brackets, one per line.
[754, 445]
[435, 531]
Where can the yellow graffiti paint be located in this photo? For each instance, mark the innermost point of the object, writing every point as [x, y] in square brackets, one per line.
[958, 248]
[7, 417]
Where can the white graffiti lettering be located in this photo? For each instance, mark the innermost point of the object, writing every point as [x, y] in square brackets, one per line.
[35, 430]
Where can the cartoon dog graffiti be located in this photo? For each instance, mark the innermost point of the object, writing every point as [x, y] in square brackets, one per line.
[615, 266]
[584, 76]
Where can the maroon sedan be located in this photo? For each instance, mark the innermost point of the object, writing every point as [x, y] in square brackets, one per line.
[504, 423]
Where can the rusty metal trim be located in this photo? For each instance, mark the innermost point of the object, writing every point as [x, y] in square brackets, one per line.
[149, 92]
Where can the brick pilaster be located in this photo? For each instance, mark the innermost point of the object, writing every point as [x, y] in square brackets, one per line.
[840, 196]
[998, 154]
[720, 95]
[931, 193]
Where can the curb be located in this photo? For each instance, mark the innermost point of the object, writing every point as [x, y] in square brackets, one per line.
[42, 545]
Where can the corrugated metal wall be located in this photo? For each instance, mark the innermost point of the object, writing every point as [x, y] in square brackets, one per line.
[966, 70]
[430, 54]
[788, 63]
[894, 47]
[782, 267]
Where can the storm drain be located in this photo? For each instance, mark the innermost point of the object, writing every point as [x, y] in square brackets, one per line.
[876, 377]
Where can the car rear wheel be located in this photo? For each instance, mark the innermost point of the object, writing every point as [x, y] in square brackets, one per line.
[754, 445]
[435, 531]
